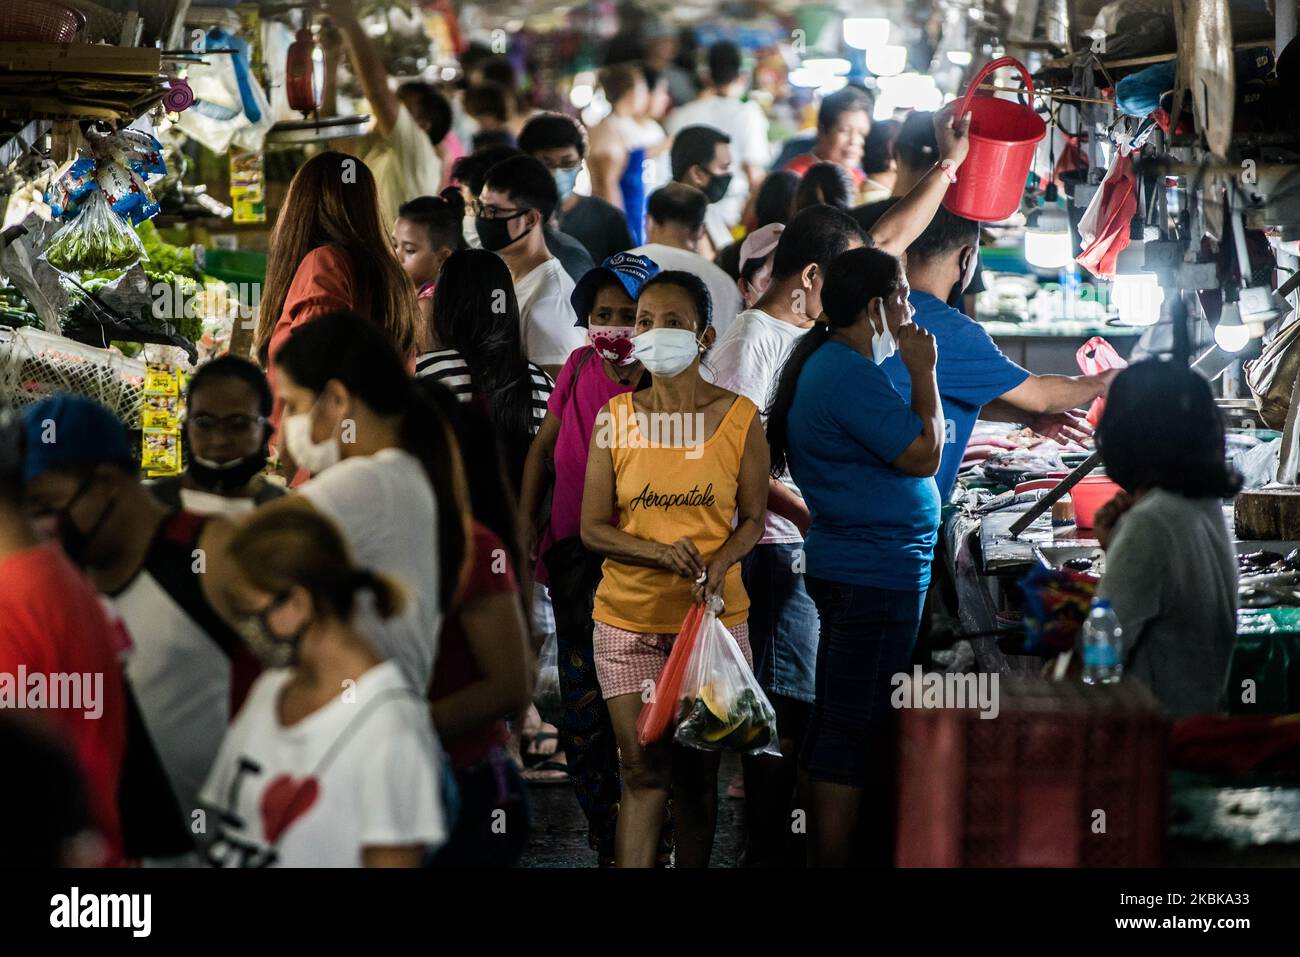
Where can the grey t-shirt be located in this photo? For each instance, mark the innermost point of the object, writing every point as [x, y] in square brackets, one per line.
[1171, 576]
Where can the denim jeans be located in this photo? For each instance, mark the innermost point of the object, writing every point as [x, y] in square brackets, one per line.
[867, 636]
[783, 626]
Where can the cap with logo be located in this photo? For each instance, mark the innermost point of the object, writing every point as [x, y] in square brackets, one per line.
[631, 270]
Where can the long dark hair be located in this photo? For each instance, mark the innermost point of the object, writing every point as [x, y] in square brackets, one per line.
[852, 280]
[345, 347]
[491, 497]
[475, 312]
[332, 201]
[1161, 429]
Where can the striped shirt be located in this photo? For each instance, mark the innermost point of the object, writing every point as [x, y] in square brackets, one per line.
[448, 368]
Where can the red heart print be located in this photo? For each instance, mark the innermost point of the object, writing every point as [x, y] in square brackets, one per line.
[284, 801]
[615, 350]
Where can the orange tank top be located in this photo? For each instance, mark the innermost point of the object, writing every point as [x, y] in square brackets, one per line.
[668, 485]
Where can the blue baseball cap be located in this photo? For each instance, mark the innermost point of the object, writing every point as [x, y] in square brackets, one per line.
[631, 270]
[67, 431]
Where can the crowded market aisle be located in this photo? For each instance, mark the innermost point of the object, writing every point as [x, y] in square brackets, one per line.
[466, 437]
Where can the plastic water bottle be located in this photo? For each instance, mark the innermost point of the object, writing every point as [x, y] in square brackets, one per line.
[1101, 645]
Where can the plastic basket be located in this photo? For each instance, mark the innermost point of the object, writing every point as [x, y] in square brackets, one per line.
[235, 265]
[40, 21]
[35, 364]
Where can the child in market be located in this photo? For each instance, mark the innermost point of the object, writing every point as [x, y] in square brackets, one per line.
[605, 302]
[427, 231]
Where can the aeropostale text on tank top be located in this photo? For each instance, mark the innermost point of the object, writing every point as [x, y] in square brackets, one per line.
[694, 498]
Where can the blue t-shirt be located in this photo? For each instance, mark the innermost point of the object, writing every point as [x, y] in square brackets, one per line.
[871, 524]
[972, 371]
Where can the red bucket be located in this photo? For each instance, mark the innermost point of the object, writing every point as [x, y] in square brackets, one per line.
[1003, 136]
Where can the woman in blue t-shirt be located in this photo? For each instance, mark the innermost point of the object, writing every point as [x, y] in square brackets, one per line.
[865, 459]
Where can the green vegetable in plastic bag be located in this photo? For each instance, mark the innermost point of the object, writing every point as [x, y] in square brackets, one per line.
[97, 239]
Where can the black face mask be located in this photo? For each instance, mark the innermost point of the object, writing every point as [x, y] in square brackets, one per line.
[494, 234]
[717, 187]
[75, 542]
[228, 476]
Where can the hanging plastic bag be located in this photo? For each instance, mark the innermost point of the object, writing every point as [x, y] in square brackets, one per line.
[661, 710]
[546, 696]
[229, 104]
[97, 239]
[723, 708]
[1104, 228]
[1095, 357]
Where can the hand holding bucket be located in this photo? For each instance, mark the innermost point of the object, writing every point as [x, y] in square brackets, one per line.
[1003, 137]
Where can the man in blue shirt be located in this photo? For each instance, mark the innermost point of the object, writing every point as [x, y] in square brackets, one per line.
[975, 379]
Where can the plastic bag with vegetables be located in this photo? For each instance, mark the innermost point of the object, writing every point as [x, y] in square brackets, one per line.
[97, 239]
[722, 707]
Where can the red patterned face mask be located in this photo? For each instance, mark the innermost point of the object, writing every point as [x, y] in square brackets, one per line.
[613, 343]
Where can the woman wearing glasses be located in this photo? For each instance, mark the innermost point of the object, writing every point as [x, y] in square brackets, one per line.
[226, 435]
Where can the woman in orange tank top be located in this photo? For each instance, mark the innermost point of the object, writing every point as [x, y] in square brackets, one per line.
[675, 496]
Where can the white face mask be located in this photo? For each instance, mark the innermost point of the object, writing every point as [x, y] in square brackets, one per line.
[315, 457]
[666, 352]
[883, 344]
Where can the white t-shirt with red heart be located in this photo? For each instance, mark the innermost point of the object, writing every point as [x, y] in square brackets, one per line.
[363, 771]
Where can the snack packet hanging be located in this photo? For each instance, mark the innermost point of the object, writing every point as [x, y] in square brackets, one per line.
[723, 707]
[71, 186]
[661, 709]
[125, 191]
[97, 239]
[134, 149]
[1096, 356]
[160, 446]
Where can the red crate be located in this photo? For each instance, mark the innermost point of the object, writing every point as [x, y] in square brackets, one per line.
[1021, 789]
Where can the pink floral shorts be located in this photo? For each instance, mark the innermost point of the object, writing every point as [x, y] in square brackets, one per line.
[627, 660]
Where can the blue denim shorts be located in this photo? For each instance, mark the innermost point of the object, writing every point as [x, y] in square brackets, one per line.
[867, 636]
[783, 624]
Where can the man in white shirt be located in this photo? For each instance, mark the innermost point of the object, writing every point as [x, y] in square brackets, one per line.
[701, 158]
[518, 198]
[721, 107]
[400, 149]
[675, 225]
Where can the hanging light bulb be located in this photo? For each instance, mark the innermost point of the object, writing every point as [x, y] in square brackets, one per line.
[887, 60]
[1138, 298]
[829, 66]
[863, 33]
[1047, 234]
[1231, 334]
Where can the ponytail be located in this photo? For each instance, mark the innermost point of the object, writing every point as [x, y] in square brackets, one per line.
[442, 217]
[426, 435]
[343, 347]
[390, 597]
[278, 549]
[778, 413]
[853, 279]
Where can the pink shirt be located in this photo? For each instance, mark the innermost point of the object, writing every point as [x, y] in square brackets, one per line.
[577, 416]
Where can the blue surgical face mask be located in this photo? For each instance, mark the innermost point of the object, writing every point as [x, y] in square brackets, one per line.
[565, 179]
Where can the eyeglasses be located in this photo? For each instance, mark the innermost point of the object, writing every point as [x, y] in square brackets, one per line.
[487, 211]
[230, 424]
[41, 510]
